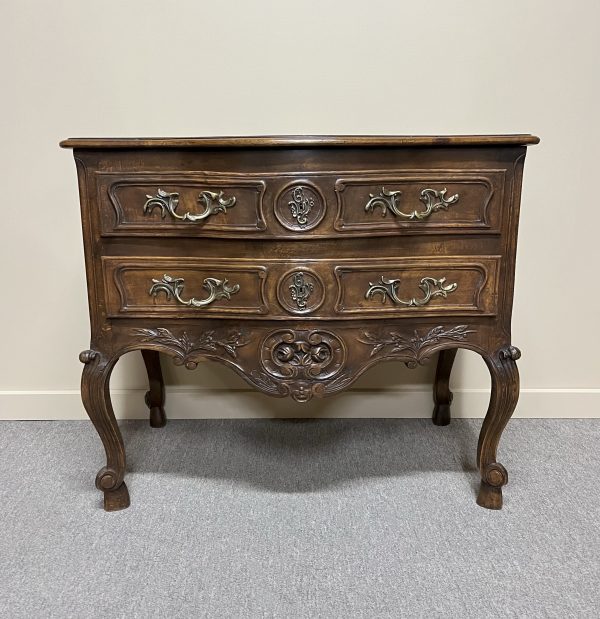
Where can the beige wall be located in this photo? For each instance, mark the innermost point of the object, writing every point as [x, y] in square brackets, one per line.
[193, 67]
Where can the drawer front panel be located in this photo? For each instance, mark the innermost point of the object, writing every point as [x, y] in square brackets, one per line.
[186, 288]
[313, 289]
[431, 201]
[416, 287]
[181, 205]
[310, 205]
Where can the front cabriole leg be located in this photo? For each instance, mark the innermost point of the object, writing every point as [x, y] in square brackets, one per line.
[96, 399]
[504, 396]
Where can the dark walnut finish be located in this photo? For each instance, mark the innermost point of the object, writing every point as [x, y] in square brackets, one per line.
[300, 262]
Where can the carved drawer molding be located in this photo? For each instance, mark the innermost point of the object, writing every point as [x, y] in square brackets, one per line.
[181, 205]
[430, 285]
[431, 201]
[155, 286]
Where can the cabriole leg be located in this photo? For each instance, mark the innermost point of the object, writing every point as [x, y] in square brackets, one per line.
[505, 393]
[442, 396]
[96, 399]
[155, 396]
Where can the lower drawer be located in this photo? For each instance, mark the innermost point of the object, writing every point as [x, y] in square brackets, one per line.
[418, 285]
[322, 289]
[186, 287]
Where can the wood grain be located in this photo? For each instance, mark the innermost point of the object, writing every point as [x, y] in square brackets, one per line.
[304, 141]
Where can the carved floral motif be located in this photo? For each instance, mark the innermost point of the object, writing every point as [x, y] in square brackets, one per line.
[413, 349]
[186, 350]
[303, 354]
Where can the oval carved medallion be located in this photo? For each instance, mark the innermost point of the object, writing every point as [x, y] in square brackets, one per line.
[300, 206]
[300, 291]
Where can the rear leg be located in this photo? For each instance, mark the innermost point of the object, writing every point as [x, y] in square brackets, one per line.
[442, 396]
[155, 396]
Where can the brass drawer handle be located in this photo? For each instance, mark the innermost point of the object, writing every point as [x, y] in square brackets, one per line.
[167, 203]
[389, 288]
[173, 287]
[432, 199]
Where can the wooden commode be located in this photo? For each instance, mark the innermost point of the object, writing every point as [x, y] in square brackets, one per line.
[300, 262]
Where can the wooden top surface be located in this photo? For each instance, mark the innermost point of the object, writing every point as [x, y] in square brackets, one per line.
[303, 141]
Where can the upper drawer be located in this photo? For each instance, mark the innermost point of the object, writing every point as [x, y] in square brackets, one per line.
[179, 204]
[301, 206]
[420, 202]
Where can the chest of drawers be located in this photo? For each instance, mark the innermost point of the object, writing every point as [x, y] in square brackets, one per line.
[300, 262]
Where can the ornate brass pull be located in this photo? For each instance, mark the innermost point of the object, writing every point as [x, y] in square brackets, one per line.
[432, 199]
[389, 288]
[173, 287]
[167, 203]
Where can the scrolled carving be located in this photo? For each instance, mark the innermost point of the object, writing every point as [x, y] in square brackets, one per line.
[214, 202]
[388, 201]
[173, 287]
[87, 356]
[186, 351]
[495, 475]
[108, 479]
[300, 390]
[413, 349]
[510, 352]
[303, 354]
[431, 287]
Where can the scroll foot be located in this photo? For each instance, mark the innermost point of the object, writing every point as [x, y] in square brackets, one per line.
[490, 490]
[115, 500]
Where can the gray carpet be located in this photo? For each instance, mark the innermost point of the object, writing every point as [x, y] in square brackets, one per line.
[331, 518]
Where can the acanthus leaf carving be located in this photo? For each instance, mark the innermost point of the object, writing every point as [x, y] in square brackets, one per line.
[413, 349]
[186, 350]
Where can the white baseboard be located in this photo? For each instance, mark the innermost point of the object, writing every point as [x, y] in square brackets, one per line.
[228, 404]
